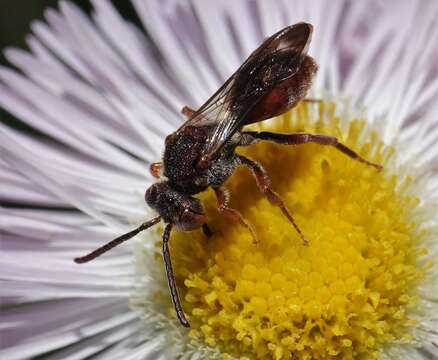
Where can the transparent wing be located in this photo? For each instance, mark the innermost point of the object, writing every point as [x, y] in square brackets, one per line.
[277, 58]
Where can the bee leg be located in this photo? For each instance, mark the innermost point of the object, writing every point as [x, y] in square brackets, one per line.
[264, 184]
[229, 213]
[155, 169]
[171, 278]
[187, 112]
[303, 138]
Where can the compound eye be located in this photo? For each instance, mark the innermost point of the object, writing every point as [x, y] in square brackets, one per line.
[191, 220]
[152, 194]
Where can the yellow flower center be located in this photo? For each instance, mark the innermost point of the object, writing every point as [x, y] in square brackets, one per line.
[344, 295]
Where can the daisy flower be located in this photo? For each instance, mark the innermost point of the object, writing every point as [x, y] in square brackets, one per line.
[100, 96]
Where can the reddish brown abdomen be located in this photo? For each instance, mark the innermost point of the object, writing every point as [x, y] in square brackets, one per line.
[286, 94]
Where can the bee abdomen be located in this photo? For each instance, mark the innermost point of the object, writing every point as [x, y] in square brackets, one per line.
[286, 94]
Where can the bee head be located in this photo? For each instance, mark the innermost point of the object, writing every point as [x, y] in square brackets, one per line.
[181, 210]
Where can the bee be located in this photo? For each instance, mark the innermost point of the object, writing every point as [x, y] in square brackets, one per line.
[201, 153]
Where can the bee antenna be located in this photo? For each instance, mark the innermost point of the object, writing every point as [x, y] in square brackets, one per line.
[117, 241]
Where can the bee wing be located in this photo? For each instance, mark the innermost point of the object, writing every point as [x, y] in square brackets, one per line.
[277, 58]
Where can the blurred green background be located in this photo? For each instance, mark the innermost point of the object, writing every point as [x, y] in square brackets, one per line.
[15, 19]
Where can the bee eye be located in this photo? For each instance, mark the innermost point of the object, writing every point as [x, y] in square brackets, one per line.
[190, 220]
[152, 193]
[192, 215]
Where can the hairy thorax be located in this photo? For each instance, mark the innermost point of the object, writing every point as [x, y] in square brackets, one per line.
[181, 157]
